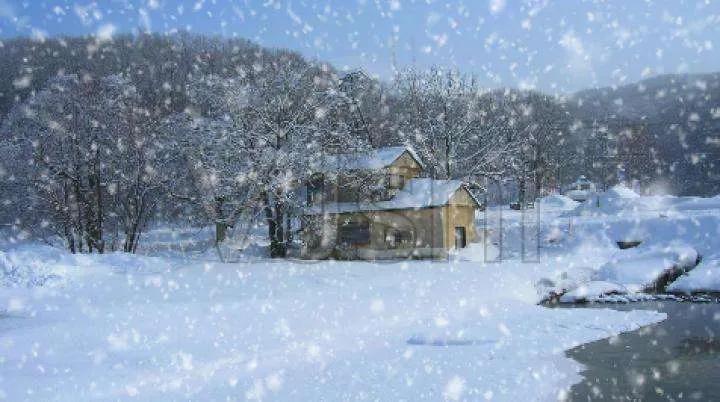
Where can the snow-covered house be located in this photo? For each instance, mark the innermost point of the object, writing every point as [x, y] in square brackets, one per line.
[377, 205]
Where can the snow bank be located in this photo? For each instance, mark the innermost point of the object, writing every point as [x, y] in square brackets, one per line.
[244, 241]
[618, 198]
[480, 328]
[640, 268]
[621, 191]
[33, 265]
[698, 203]
[15, 273]
[621, 200]
[704, 278]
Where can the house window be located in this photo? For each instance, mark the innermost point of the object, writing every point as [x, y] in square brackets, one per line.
[399, 238]
[354, 233]
[395, 180]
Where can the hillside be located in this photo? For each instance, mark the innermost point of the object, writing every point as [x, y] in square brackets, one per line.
[681, 117]
[669, 97]
[159, 65]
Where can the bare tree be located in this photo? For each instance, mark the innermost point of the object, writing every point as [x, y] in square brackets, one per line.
[88, 144]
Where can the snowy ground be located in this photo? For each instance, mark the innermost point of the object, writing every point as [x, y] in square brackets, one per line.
[182, 325]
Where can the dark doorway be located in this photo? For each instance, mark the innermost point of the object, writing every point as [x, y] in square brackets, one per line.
[460, 239]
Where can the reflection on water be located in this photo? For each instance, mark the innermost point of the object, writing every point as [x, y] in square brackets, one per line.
[677, 359]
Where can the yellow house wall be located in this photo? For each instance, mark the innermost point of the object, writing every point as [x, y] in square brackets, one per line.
[460, 211]
[433, 229]
[426, 225]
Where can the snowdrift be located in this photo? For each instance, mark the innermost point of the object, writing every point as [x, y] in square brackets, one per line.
[620, 200]
[33, 265]
[556, 202]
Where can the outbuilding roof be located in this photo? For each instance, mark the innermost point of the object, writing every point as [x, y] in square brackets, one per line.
[418, 193]
[368, 160]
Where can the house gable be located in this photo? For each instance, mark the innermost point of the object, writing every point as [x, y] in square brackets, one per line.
[405, 165]
[462, 197]
[406, 160]
[372, 160]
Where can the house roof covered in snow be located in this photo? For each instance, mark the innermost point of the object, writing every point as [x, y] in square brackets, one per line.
[368, 160]
[418, 193]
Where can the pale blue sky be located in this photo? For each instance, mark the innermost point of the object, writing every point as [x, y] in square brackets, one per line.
[555, 46]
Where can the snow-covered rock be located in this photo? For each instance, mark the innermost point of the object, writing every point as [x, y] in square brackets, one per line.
[643, 267]
[592, 291]
[704, 278]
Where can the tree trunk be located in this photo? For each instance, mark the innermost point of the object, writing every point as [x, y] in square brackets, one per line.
[448, 173]
[220, 232]
[70, 238]
[99, 242]
[274, 217]
[521, 191]
[538, 182]
[280, 247]
[288, 229]
[67, 220]
[220, 223]
[132, 235]
[129, 243]
[79, 206]
[137, 241]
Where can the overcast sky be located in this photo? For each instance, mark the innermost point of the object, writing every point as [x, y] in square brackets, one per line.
[554, 46]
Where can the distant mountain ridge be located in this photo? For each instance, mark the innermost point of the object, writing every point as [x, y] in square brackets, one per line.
[654, 97]
[160, 65]
[680, 112]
